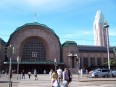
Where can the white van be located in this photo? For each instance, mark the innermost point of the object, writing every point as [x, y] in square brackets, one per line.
[101, 73]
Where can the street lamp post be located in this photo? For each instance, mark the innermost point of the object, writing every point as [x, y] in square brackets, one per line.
[76, 56]
[107, 37]
[17, 67]
[114, 50]
[71, 55]
[10, 51]
[10, 73]
[55, 63]
[78, 63]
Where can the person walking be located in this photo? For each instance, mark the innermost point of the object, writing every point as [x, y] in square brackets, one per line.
[35, 74]
[55, 82]
[23, 74]
[59, 71]
[66, 77]
[29, 74]
[50, 73]
[44, 71]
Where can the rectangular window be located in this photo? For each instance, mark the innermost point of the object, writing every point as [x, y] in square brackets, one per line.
[99, 62]
[92, 61]
[73, 62]
[85, 60]
[105, 60]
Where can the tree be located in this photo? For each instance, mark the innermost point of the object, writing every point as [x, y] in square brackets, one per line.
[112, 62]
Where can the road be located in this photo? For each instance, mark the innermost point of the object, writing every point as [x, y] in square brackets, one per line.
[44, 81]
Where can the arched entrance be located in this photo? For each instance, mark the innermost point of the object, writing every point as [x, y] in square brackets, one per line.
[34, 53]
[33, 50]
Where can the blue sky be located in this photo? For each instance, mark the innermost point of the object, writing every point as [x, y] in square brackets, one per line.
[70, 19]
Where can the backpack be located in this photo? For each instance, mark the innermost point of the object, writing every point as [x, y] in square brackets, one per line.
[70, 77]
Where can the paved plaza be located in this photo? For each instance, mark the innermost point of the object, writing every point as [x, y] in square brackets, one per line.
[44, 81]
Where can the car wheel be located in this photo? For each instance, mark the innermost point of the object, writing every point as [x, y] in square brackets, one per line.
[96, 76]
[104, 76]
[108, 76]
[113, 76]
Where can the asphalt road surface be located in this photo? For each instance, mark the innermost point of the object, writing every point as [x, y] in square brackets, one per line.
[44, 81]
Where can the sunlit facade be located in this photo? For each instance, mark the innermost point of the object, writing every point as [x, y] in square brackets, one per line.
[100, 34]
[37, 46]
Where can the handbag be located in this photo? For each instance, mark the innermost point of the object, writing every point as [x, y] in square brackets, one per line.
[64, 83]
[56, 83]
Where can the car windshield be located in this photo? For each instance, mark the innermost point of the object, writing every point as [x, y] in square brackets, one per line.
[96, 70]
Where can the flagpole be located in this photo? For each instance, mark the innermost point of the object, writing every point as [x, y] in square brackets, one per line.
[55, 63]
[35, 15]
[17, 67]
[10, 73]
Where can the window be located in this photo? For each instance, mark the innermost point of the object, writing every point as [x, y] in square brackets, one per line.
[85, 61]
[92, 61]
[73, 62]
[33, 50]
[105, 70]
[105, 60]
[99, 61]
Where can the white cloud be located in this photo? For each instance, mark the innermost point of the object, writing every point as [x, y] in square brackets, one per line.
[49, 5]
[76, 34]
[36, 4]
[54, 5]
[81, 37]
[45, 5]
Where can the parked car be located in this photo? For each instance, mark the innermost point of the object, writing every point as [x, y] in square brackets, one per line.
[101, 73]
[113, 73]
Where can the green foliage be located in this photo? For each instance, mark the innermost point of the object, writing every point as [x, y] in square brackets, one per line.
[112, 62]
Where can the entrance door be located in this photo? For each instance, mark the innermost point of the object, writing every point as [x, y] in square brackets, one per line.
[39, 67]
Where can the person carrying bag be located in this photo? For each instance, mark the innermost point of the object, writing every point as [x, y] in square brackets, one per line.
[55, 82]
[67, 78]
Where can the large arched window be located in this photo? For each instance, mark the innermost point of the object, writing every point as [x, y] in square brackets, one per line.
[33, 50]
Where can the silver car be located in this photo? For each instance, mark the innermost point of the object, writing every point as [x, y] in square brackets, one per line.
[101, 73]
[114, 73]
